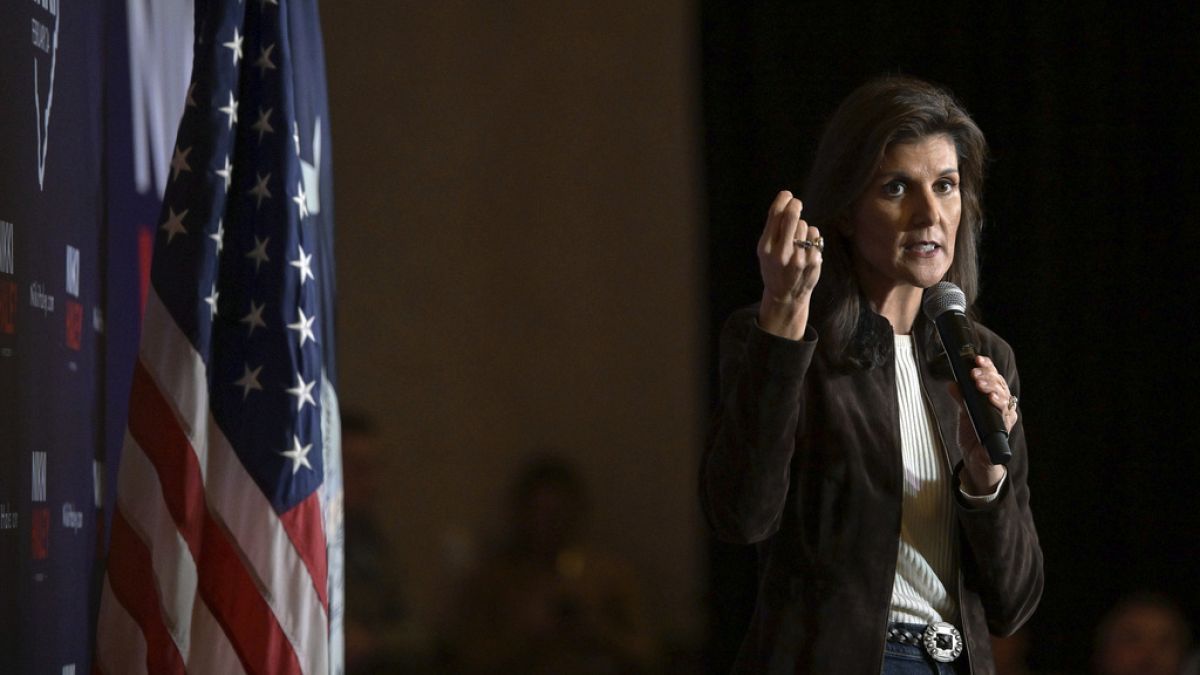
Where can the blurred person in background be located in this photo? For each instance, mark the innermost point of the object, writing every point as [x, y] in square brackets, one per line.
[1011, 653]
[546, 602]
[1143, 634]
[378, 639]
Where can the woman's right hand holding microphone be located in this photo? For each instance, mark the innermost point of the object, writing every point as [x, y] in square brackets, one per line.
[790, 269]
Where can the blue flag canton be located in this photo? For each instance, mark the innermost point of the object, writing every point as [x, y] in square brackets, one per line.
[235, 259]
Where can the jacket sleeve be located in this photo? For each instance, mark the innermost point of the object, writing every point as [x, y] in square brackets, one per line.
[744, 475]
[1002, 559]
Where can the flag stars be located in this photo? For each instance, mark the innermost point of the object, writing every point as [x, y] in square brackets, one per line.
[211, 301]
[303, 392]
[298, 454]
[219, 235]
[226, 173]
[263, 125]
[301, 200]
[254, 318]
[264, 60]
[231, 110]
[304, 326]
[259, 253]
[304, 264]
[260, 191]
[174, 224]
[235, 45]
[179, 162]
[249, 381]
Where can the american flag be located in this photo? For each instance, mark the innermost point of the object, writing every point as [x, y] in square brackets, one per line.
[225, 543]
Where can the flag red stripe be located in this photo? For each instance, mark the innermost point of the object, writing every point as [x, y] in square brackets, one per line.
[153, 424]
[131, 576]
[234, 500]
[235, 602]
[307, 532]
[224, 583]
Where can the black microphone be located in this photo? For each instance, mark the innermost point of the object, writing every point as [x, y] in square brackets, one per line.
[946, 305]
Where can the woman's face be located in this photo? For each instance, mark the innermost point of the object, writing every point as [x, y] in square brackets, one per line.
[904, 224]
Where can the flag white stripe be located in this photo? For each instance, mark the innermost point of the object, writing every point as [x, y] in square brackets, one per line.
[120, 645]
[201, 641]
[233, 497]
[211, 652]
[247, 515]
[186, 391]
[139, 497]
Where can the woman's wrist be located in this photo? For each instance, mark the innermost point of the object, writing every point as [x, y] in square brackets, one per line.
[981, 481]
[785, 317]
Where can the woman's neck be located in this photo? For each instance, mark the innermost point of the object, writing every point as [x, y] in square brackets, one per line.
[899, 305]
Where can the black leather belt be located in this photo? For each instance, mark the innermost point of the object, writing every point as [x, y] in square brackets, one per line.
[941, 640]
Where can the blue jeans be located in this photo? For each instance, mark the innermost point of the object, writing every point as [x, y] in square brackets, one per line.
[899, 659]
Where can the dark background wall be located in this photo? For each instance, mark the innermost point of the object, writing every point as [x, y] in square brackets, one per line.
[1089, 255]
[520, 260]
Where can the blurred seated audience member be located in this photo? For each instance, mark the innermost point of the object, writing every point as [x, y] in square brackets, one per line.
[1191, 665]
[375, 630]
[545, 603]
[1143, 634]
[1011, 653]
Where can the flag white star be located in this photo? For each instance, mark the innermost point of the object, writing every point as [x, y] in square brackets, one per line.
[174, 224]
[304, 264]
[311, 172]
[303, 326]
[303, 392]
[254, 318]
[259, 253]
[211, 300]
[231, 109]
[260, 189]
[219, 235]
[301, 200]
[298, 454]
[235, 45]
[296, 136]
[179, 162]
[263, 125]
[264, 60]
[190, 102]
[226, 173]
[249, 381]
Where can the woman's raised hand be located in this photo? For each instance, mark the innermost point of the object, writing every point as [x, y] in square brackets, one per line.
[789, 269]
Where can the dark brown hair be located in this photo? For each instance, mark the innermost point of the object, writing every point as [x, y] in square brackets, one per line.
[874, 117]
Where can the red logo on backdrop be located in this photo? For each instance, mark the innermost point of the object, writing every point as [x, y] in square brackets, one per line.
[74, 324]
[8, 306]
[145, 260]
[41, 533]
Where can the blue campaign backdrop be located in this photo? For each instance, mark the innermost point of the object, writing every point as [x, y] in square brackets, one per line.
[52, 300]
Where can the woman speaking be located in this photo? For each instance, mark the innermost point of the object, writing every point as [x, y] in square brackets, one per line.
[888, 541]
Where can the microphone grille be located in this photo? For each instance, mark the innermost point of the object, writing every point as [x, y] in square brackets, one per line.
[941, 298]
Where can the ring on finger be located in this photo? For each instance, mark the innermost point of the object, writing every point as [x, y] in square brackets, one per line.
[1012, 403]
[819, 242]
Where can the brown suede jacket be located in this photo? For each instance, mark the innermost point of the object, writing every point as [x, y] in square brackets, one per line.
[805, 462]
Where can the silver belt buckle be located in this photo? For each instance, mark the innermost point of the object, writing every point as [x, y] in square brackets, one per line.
[942, 641]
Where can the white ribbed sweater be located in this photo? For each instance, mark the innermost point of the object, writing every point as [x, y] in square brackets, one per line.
[927, 565]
